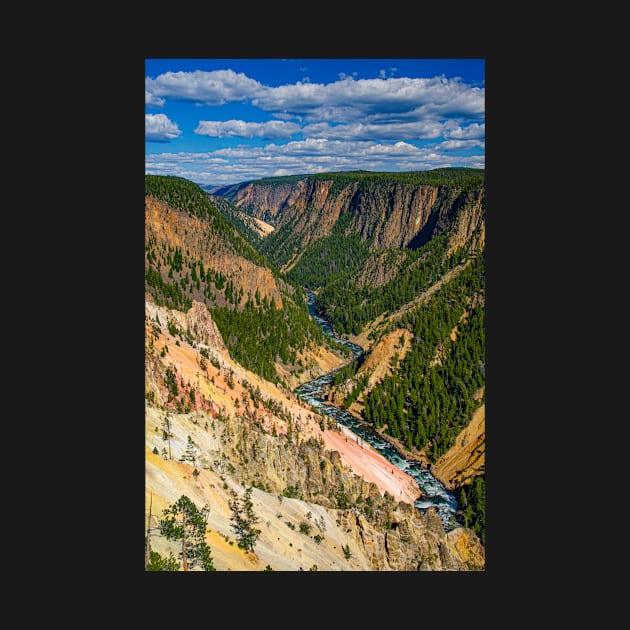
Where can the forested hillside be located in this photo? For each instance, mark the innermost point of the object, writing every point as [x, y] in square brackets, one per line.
[369, 242]
[194, 253]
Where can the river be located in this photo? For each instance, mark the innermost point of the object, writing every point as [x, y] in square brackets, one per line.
[434, 493]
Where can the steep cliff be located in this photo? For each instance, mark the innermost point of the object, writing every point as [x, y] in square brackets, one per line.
[387, 210]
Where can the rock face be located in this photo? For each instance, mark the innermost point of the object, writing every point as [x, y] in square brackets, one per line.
[412, 542]
[203, 327]
[167, 228]
[467, 457]
[197, 321]
[265, 202]
[395, 214]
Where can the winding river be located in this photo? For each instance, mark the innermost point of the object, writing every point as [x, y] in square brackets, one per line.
[434, 493]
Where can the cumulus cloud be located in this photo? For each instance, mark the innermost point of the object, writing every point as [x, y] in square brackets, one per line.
[344, 101]
[457, 145]
[159, 128]
[474, 131]
[272, 130]
[378, 124]
[151, 100]
[352, 99]
[421, 130]
[210, 88]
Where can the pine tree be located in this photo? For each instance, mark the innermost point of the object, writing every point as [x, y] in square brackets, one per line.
[243, 520]
[158, 563]
[191, 452]
[184, 521]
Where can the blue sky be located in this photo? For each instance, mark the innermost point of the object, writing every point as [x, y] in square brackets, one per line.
[224, 121]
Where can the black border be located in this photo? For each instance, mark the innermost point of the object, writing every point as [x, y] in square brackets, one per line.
[113, 192]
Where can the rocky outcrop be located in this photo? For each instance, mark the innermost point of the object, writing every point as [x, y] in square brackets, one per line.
[393, 535]
[409, 541]
[468, 227]
[197, 322]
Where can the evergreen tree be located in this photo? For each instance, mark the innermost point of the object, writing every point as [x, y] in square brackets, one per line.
[191, 452]
[158, 563]
[184, 521]
[166, 433]
[243, 520]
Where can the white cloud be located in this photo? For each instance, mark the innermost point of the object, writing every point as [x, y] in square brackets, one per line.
[159, 128]
[283, 116]
[349, 99]
[421, 130]
[151, 100]
[474, 131]
[348, 124]
[272, 129]
[312, 155]
[454, 145]
[211, 88]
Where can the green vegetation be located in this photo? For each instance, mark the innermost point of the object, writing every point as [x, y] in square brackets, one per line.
[257, 333]
[349, 308]
[234, 216]
[324, 260]
[331, 258]
[186, 196]
[243, 519]
[184, 521]
[258, 336]
[472, 506]
[432, 396]
[465, 178]
[158, 563]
